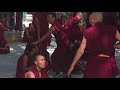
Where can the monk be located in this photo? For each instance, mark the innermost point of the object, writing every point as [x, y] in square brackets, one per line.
[26, 60]
[40, 25]
[4, 22]
[100, 40]
[4, 47]
[59, 63]
[37, 70]
[28, 34]
[74, 28]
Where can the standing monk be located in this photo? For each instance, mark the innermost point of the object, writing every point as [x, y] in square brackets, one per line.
[40, 25]
[99, 40]
[74, 28]
[59, 61]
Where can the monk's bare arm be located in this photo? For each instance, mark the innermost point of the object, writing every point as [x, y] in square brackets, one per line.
[29, 74]
[118, 38]
[46, 35]
[80, 52]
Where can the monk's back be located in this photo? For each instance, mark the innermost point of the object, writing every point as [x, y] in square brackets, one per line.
[100, 39]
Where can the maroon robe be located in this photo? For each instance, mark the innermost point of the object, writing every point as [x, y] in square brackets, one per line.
[75, 35]
[42, 17]
[36, 73]
[26, 38]
[60, 57]
[100, 40]
[4, 22]
[72, 29]
[18, 22]
[20, 73]
[3, 42]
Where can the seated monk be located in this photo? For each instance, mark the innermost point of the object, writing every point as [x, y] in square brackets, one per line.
[26, 60]
[4, 48]
[37, 70]
[4, 22]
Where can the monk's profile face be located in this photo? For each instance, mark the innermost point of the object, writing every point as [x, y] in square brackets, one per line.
[40, 62]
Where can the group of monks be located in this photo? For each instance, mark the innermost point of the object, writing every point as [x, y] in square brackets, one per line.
[4, 47]
[74, 42]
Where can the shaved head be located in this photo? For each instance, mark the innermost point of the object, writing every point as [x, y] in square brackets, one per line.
[39, 56]
[40, 61]
[97, 16]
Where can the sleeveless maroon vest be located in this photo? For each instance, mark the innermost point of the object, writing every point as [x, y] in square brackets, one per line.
[36, 73]
[100, 39]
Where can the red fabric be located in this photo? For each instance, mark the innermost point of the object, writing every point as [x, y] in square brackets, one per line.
[60, 57]
[59, 20]
[4, 22]
[71, 27]
[18, 23]
[98, 67]
[3, 42]
[43, 23]
[74, 14]
[20, 73]
[26, 38]
[36, 73]
[100, 39]
[2, 32]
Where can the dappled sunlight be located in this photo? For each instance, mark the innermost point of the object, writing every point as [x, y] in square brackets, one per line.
[50, 50]
[12, 50]
[22, 47]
